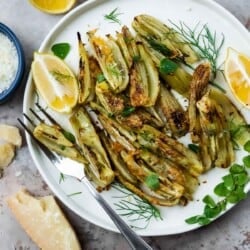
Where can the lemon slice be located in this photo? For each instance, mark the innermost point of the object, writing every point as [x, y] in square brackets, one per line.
[53, 6]
[237, 73]
[55, 82]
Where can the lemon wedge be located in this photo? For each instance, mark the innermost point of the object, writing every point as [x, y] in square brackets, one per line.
[55, 82]
[237, 73]
[54, 6]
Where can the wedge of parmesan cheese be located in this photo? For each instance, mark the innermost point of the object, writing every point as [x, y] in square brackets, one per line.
[10, 134]
[7, 153]
[44, 221]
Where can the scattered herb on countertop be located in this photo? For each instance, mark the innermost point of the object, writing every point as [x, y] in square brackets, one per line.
[113, 16]
[231, 189]
[61, 50]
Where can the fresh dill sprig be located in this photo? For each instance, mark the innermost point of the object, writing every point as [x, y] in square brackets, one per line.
[113, 16]
[133, 207]
[206, 42]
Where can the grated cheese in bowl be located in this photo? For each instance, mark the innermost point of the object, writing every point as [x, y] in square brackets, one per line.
[12, 63]
[8, 62]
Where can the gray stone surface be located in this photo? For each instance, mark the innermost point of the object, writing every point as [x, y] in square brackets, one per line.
[230, 232]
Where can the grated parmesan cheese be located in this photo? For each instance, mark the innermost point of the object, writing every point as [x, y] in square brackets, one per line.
[8, 62]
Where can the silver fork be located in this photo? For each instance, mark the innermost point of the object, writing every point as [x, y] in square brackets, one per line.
[72, 168]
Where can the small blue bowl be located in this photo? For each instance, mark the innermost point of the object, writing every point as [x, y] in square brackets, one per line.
[6, 94]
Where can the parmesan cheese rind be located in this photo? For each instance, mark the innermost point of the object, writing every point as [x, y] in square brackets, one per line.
[7, 153]
[44, 221]
[10, 134]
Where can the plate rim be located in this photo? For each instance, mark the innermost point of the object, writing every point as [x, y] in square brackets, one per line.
[83, 7]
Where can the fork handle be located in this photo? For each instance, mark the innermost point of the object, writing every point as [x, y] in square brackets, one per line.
[135, 241]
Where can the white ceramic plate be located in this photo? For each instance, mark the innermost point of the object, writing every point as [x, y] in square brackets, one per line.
[91, 15]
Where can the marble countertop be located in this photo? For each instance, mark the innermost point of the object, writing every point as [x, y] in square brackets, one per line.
[231, 231]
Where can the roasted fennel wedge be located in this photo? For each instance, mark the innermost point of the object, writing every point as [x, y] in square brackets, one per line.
[178, 79]
[144, 77]
[175, 116]
[214, 125]
[111, 61]
[113, 103]
[169, 148]
[55, 139]
[198, 87]
[153, 29]
[133, 171]
[238, 127]
[208, 123]
[99, 169]
[85, 80]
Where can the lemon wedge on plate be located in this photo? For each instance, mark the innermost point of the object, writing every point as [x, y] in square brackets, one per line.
[55, 82]
[237, 73]
[53, 6]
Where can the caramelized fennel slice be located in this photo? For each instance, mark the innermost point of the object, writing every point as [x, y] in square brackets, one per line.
[176, 117]
[198, 87]
[169, 148]
[91, 145]
[85, 81]
[53, 138]
[111, 61]
[149, 26]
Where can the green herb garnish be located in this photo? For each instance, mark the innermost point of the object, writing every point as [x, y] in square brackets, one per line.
[206, 42]
[111, 115]
[152, 181]
[127, 111]
[246, 161]
[61, 49]
[73, 194]
[159, 47]
[231, 189]
[133, 207]
[147, 136]
[247, 146]
[62, 178]
[195, 148]
[136, 59]
[69, 136]
[167, 66]
[100, 78]
[113, 16]
[114, 70]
